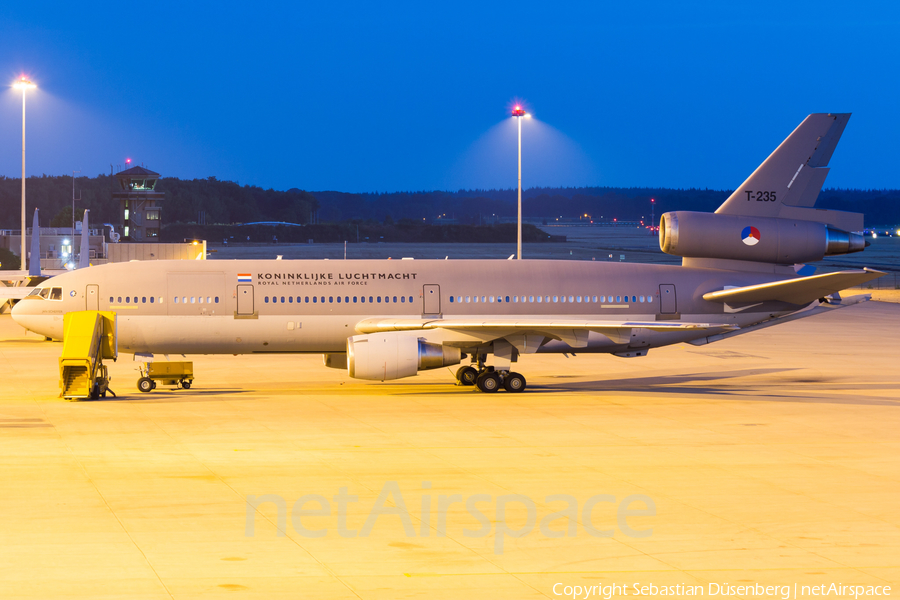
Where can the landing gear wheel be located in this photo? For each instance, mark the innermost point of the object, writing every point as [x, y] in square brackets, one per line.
[145, 384]
[186, 385]
[466, 375]
[488, 382]
[514, 382]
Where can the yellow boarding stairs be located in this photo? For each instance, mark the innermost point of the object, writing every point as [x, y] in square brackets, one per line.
[88, 337]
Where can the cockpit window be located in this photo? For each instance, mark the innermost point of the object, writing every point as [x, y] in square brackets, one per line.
[47, 293]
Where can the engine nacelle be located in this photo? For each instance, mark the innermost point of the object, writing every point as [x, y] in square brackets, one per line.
[758, 239]
[384, 356]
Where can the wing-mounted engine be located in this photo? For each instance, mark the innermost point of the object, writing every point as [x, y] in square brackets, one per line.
[384, 356]
[752, 238]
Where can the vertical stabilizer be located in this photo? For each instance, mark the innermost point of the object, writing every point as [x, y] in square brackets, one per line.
[794, 173]
[85, 256]
[34, 262]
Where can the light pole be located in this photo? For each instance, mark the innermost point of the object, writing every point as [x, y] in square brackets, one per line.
[23, 84]
[518, 112]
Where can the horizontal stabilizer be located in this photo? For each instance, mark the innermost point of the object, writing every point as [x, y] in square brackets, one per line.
[802, 290]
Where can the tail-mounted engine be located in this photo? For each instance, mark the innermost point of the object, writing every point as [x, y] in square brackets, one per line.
[758, 239]
[383, 356]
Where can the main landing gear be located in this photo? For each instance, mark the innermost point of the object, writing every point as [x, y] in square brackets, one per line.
[489, 380]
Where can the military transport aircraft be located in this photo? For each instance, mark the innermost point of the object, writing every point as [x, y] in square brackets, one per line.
[742, 270]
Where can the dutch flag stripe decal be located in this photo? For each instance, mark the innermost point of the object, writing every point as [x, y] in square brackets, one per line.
[245, 278]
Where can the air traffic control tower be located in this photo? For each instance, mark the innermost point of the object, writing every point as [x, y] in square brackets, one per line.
[139, 206]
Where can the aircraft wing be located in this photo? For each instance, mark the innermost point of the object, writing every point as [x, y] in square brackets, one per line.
[527, 334]
[801, 290]
[14, 293]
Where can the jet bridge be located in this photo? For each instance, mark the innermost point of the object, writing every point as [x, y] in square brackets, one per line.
[89, 337]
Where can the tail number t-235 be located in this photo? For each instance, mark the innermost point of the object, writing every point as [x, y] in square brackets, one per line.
[760, 196]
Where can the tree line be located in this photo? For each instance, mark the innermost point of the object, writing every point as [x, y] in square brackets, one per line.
[212, 201]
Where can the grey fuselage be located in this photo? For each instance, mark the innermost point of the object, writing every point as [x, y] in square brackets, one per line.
[258, 306]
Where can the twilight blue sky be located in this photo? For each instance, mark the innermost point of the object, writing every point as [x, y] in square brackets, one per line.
[414, 96]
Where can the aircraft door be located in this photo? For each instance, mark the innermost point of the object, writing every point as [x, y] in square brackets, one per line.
[431, 299]
[245, 300]
[667, 303]
[92, 297]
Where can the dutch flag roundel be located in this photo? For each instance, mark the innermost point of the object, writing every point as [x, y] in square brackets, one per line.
[750, 236]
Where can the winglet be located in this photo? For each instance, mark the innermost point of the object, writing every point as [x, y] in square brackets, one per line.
[84, 258]
[34, 262]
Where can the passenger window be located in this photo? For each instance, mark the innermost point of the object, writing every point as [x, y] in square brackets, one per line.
[577, 298]
[184, 299]
[217, 299]
[618, 298]
[403, 298]
[306, 299]
[491, 299]
[595, 299]
[330, 299]
[362, 299]
[161, 299]
[127, 299]
[290, 299]
[354, 299]
[633, 299]
[267, 299]
[110, 299]
[339, 299]
[410, 298]
[175, 299]
[346, 299]
[571, 299]
[143, 299]
[282, 299]
[555, 298]
[507, 298]
[315, 299]
[395, 299]
[379, 299]
[370, 300]
[641, 298]
[120, 300]
[468, 298]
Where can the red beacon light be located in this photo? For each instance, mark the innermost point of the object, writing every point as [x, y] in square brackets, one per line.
[518, 111]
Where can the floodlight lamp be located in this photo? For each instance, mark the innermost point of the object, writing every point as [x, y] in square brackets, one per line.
[24, 84]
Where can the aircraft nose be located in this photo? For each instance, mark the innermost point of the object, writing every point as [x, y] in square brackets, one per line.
[17, 312]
